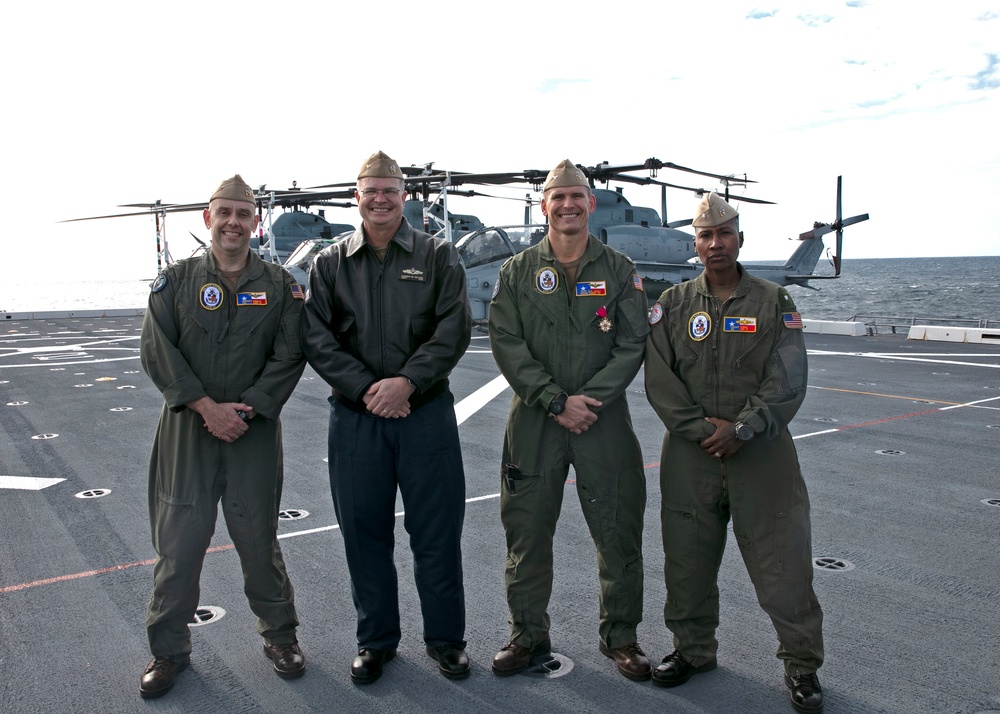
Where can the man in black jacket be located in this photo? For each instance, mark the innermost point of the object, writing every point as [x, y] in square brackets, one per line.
[386, 319]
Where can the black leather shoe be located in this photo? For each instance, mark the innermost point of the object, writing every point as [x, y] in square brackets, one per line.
[631, 660]
[452, 660]
[367, 666]
[513, 658]
[675, 670]
[807, 695]
[159, 676]
[288, 660]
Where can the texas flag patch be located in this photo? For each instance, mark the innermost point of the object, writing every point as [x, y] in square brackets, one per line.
[251, 298]
[793, 320]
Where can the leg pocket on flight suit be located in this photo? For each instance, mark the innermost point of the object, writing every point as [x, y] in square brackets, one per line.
[680, 537]
[175, 520]
[774, 549]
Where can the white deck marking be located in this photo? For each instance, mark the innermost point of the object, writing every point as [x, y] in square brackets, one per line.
[28, 483]
[479, 398]
[910, 358]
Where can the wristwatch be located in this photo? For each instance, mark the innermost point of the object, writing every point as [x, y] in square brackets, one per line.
[744, 432]
[558, 404]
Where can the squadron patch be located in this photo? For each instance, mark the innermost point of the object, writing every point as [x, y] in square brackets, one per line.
[591, 287]
[211, 296]
[739, 324]
[655, 313]
[546, 281]
[255, 298]
[414, 274]
[159, 282]
[496, 289]
[699, 326]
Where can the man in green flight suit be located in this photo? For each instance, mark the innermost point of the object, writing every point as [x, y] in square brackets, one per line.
[220, 340]
[726, 372]
[567, 327]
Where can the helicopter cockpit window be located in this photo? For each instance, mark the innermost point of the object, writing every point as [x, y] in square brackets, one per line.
[481, 248]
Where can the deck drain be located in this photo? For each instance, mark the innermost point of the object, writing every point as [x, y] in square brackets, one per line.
[120, 409]
[206, 614]
[991, 502]
[890, 452]
[292, 514]
[131, 371]
[42, 437]
[83, 385]
[826, 420]
[16, 404]
[94, 493]
[550, 666]
[124, 386]
[941, 374]
[834, 565]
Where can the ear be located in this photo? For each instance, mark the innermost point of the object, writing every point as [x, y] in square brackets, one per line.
[741, 239]
[207, 215]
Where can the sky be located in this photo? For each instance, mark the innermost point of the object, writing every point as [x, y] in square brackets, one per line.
[108, 103]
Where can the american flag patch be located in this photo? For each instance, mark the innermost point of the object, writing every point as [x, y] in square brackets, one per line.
[637, 282]
[297, 292]
[793, 320]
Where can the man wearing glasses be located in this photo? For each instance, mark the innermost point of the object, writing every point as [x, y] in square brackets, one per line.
[386, 319]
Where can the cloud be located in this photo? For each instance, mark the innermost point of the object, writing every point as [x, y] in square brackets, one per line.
[988, 78]
[550, 85]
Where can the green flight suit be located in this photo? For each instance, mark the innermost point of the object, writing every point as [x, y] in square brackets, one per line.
[549, 337]
[197, 341]
[742, 360]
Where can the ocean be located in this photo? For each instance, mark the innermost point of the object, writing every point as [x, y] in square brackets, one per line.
[940, 288]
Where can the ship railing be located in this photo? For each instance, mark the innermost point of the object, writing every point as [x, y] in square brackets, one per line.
[895, 324]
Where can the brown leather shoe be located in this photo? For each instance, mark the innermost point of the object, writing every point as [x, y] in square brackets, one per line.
[513, 658]
[159, 676]
[632, 661]
[288, 659]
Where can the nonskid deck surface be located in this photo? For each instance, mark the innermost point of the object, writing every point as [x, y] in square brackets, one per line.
[897, 439]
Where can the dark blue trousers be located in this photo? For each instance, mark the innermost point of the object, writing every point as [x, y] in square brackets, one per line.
[370, 457]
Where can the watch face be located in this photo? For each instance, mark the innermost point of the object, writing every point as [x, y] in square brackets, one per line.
[744, 432]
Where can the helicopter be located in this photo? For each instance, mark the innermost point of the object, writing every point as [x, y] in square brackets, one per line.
[663, 254]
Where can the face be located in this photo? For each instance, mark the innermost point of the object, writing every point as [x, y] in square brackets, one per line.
[568, 208]
[719, 246]
[380, 210]
[231, 223]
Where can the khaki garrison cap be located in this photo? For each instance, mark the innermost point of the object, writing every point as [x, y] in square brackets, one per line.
[378, 165]
[713, 211]
[565, 174]
[234, 189]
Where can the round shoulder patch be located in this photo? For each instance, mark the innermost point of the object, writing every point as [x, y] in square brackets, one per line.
[699, 326]
[546, 281]
[655, 313]
[496, 289]
[211, 296]
[159, 282]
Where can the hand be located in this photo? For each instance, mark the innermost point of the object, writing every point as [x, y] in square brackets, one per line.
[220, 418]
[389, 397]
[723, 443]
[577, 416]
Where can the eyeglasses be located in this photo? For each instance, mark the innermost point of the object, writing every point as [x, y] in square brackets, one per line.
[386, 192]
